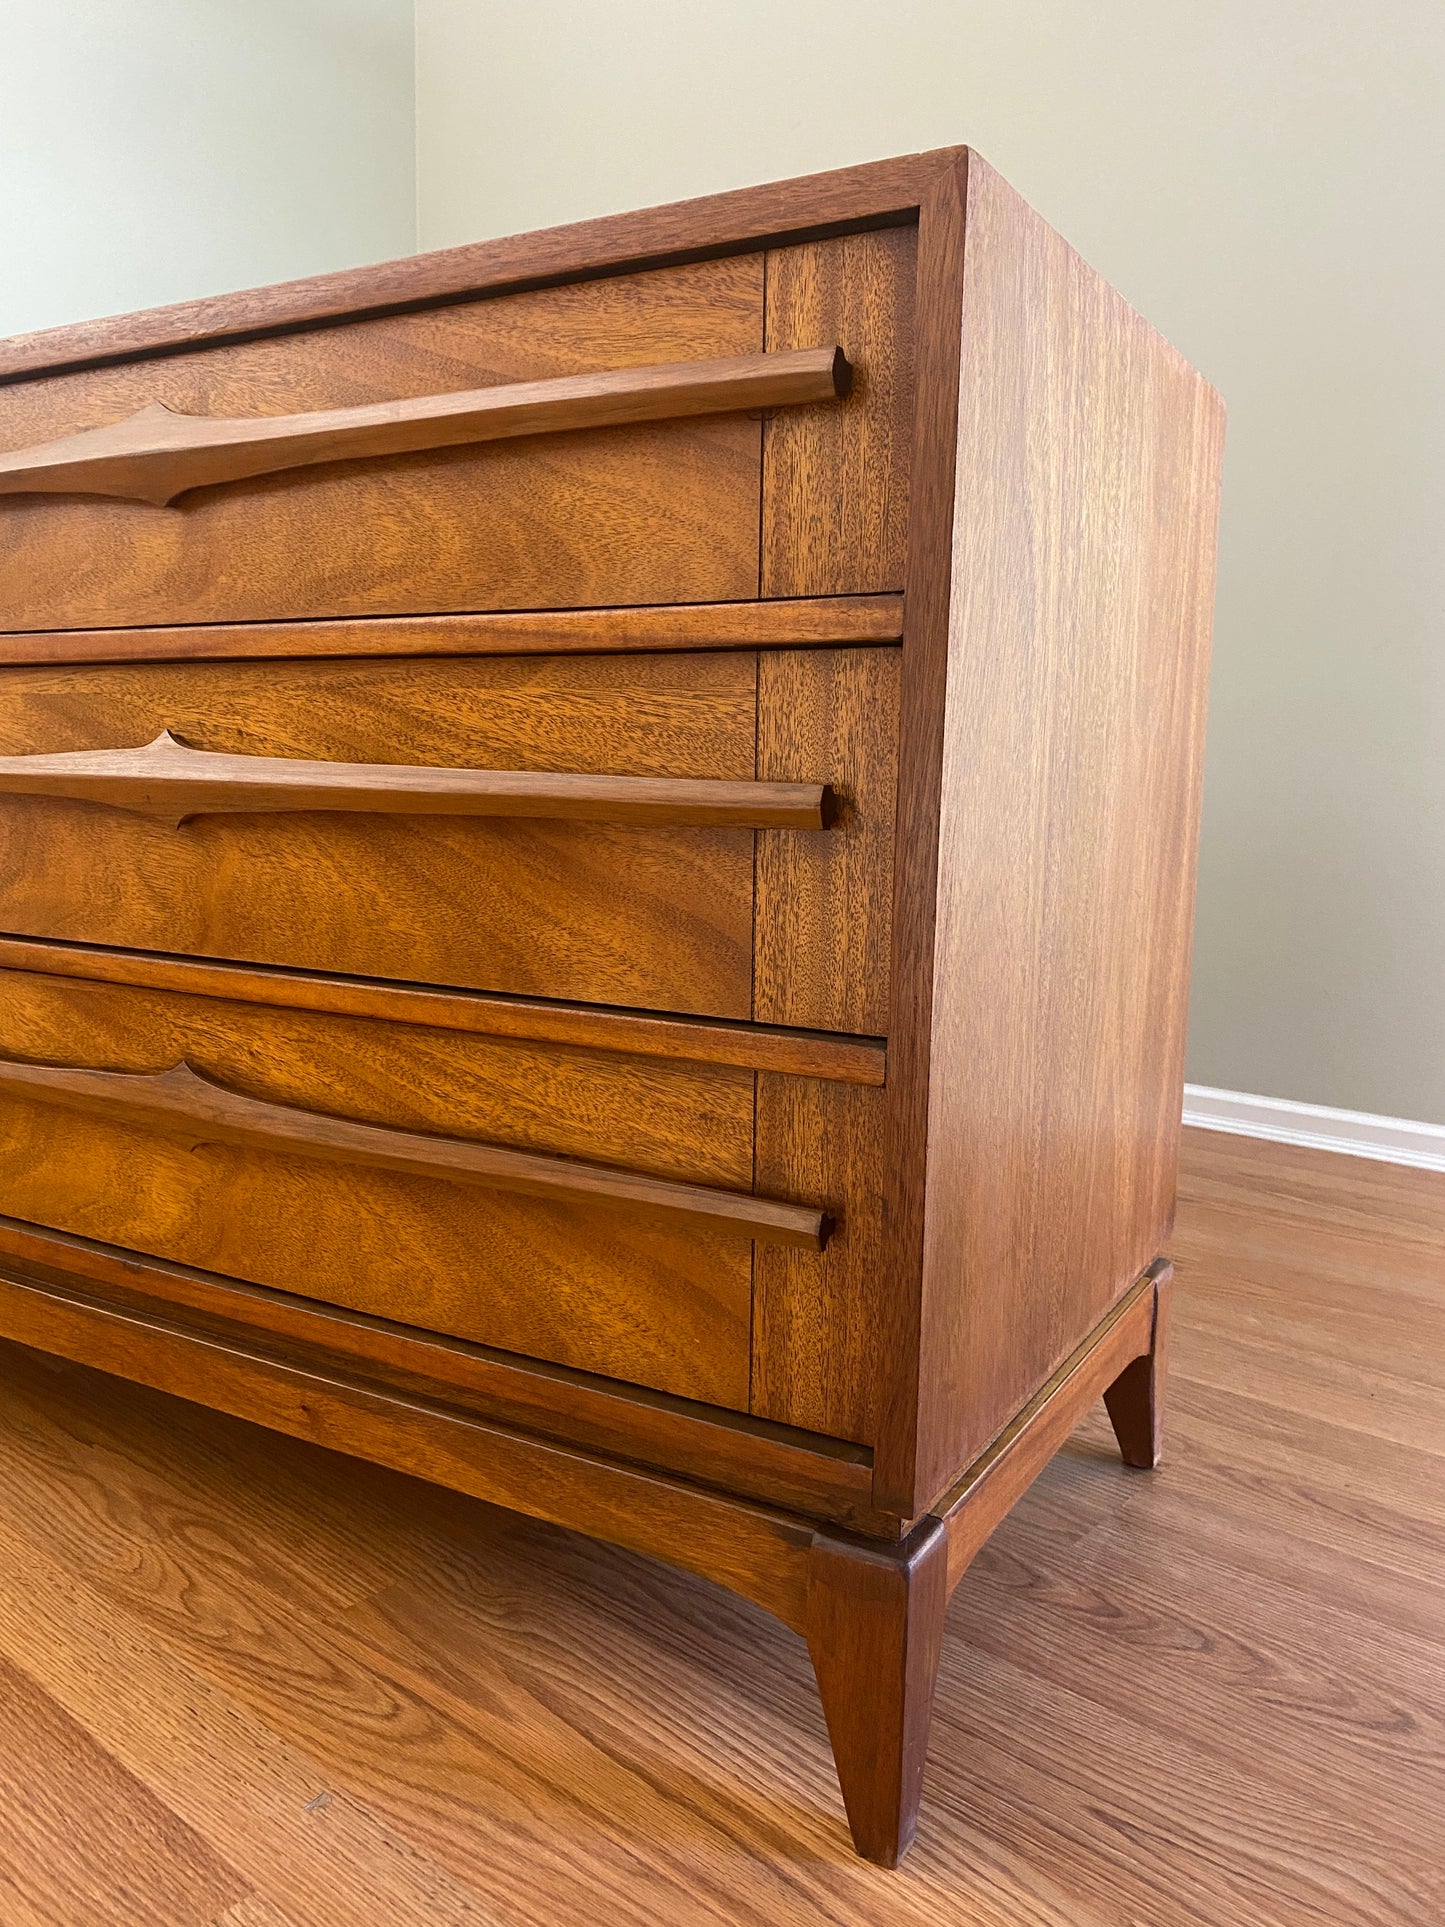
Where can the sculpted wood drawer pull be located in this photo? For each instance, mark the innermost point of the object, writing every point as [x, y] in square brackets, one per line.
[180, 1102]
[170, 780]
[157, 454]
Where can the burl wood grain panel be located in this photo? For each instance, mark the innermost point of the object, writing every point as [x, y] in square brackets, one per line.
[580, 1286]
[647, 514]
[660, 918]
[835, 480]
[825, 903]
[1088, 476]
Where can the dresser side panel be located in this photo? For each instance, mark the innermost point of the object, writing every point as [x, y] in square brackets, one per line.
[1083, 570]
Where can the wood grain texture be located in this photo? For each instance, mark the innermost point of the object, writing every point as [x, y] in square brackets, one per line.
[157, 454]
[827, 1479]
[211, 1768]
[761, 1554]
[666, 512]
[658, 756]
[824, 905]
[81, 1837]
[872, 1615]
[852, 1060]
[1068, 820]
[659, 918]
[875, 1629]
[556, 1280]
[202, 1111]
[972, 1509]
[806, 620]
[835, 481]
[817, 1316]
[168, 779]
[1205, 1698]
[922, 701]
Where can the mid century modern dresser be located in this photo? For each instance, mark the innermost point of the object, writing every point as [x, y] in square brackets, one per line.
[596, 866]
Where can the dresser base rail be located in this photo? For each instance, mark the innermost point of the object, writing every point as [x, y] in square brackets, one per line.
[871, 1610]
[755, 1458]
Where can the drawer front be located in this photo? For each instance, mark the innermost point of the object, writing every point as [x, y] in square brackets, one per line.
[341, 1159]
[836, 480]
[608, 912]
[769, 485]
[658, 512]
[661, 912]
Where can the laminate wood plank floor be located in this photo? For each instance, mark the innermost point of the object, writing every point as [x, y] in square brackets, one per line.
[249, 1683]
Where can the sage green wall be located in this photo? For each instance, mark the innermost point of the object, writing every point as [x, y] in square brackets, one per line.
[151, 150]
[1267, 184]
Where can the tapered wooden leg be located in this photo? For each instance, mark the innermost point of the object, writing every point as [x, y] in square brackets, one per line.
[1136, 1397]
[875, 1623]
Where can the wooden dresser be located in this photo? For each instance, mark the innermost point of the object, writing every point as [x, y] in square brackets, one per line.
[597, 842]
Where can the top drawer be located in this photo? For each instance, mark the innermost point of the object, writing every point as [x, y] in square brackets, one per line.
[701, 508]
[660, 512]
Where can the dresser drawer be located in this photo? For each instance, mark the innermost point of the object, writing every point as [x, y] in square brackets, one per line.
[659, 512]
[766, 481]
[669, 895]
[585, 1207]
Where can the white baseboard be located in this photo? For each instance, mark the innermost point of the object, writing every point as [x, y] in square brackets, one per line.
[1360, 1134]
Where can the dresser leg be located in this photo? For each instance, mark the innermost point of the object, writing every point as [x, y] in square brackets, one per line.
[1136, 1398]
[875, 1623]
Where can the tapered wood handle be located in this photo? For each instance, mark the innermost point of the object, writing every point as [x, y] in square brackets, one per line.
[178, 1101]
[168, 779]
[157, 454]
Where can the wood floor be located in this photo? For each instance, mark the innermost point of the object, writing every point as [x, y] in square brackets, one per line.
[243, 1681]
